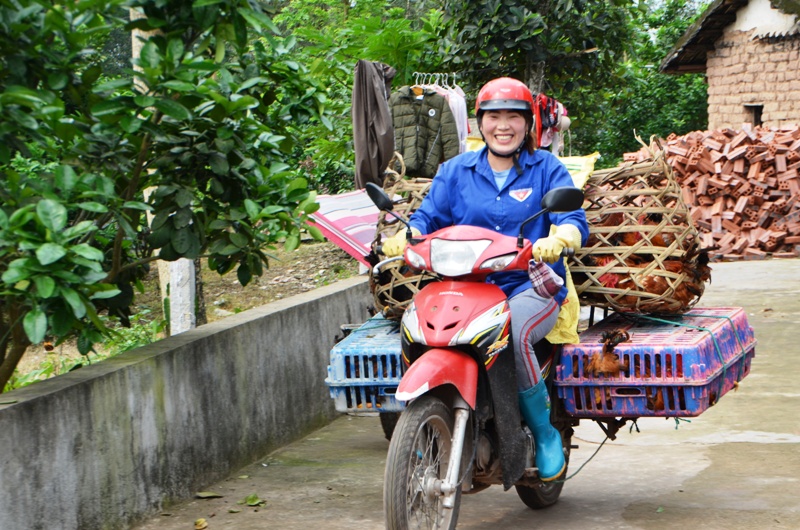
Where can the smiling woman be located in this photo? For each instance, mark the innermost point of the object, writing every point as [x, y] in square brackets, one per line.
[504, 131]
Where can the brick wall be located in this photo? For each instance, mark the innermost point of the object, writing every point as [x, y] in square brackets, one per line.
[744, 71]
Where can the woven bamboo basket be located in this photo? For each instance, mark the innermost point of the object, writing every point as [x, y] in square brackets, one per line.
[395, 286]
[643, 252]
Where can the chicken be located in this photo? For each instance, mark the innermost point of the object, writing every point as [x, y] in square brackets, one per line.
[655, 399]
[656, 239]
[607, 362]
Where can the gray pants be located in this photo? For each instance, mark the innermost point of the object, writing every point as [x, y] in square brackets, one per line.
[532, 317]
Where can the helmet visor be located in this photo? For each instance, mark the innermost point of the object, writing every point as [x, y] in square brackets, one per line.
[504, 104]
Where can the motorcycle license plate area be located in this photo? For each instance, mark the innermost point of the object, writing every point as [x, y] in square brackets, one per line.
[671, 366]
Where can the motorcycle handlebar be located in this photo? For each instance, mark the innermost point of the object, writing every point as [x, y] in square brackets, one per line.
[566, 253]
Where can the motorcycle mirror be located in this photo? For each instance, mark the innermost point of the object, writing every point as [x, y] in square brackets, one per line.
[557, 200]
[384, 203]
[565, 199]
[379, 197]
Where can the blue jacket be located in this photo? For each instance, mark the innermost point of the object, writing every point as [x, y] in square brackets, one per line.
[464, 193]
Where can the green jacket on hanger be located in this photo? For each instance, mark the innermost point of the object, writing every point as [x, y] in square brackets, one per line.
[425, 130]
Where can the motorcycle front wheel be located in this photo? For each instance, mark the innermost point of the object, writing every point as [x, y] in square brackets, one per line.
[419, 453]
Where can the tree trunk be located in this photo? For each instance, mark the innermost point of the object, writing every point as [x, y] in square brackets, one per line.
[199, 298]
[15, 337]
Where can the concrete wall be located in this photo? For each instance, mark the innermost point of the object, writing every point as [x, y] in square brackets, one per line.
[743, 70]
[109, 444]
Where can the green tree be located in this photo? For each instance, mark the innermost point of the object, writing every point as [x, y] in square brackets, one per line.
[211, 133]
[553, 46]
[330, 41]
[647, 101]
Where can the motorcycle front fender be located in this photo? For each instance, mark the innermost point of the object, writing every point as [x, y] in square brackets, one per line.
[437, 367]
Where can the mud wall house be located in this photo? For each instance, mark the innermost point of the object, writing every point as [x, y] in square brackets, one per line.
[749, 51]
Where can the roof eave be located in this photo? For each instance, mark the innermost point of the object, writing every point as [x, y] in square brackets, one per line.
[692, 48]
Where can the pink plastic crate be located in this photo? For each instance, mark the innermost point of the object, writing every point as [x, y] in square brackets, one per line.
[677, 368]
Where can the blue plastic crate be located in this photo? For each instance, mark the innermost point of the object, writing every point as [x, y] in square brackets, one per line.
[365, 368]
[676, 367]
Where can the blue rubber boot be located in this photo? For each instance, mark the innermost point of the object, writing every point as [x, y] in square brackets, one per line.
[534, 404]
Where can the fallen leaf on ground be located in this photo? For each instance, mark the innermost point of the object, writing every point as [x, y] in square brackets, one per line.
[207, 495]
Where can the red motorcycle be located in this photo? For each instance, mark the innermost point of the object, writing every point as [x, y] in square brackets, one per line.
[461, 429]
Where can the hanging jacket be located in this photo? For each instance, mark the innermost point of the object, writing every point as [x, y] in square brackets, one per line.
[373, 136]
[425, 131]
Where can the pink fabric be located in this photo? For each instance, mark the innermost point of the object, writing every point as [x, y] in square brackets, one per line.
[348, 220]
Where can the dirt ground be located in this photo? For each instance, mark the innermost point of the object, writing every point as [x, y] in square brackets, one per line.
[312, 265]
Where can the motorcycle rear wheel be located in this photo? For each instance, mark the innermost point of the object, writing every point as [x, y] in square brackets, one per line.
[388, 423]
[419, 453]
[546, 494]
[540, 496]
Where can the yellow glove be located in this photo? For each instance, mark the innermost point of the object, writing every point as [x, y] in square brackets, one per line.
[394, 245]
[549, 248]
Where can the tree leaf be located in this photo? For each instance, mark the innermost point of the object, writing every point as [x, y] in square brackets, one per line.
[50, 253]
[252, 209]
[65, 178]
[219, 164]
[149, 56]
[35, 325]
[207, 495]
[52, 214]
[105, 293]
[75, 302]
[244, 275]
[181, 240]
[84, 227]
[173, 109]
[91, 206]
[136, 205]
[88, 252]
[292, 242]
[238, 239]
[315, 232]
[178, 86]
[108, 108]
[254, 500]
[45, 286]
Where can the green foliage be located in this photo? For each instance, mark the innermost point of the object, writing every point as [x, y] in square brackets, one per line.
[332, 38]
[206, 122]
[53, 365]
[568, 43]
[645, 101]
[598, 58]
[141, 332]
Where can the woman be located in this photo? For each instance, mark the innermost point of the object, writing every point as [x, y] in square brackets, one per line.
[497, 188]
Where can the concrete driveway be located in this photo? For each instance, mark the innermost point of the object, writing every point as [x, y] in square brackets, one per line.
[737, 466]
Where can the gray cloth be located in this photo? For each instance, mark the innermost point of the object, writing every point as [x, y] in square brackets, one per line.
[532, 317]
[373, 135]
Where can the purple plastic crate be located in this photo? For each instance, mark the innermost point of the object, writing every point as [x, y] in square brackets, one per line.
[677, 368]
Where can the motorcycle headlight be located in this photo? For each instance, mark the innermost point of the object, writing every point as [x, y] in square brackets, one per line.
[499, 263]
[456, 258]
[414, 259]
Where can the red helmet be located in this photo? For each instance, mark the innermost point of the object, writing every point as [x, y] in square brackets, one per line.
[504, 93]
